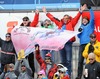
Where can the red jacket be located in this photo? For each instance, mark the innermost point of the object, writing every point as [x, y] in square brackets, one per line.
[35, 21]
[69, 26]
[43, 65]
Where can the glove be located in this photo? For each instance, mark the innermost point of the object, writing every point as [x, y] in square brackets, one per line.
[80, 30]
[88, 6]
[21, 54]
[91, 49]
[36, 46]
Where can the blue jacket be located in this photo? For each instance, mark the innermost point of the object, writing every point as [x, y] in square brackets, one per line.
[87, 29]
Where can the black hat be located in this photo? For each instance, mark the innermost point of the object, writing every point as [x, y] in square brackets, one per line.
[92, 35]
[25, 18]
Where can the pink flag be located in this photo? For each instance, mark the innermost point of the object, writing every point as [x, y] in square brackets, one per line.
[24, 38]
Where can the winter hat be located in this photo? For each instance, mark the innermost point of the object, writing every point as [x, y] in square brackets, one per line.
[25, 18]
[62, 70]
[48, 55]
[41, 72]
[60, 65]
[8, 34]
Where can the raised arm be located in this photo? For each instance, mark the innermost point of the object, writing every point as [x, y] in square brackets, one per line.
[36, 19]
[76, 18]
[51, 17]
[38, 56]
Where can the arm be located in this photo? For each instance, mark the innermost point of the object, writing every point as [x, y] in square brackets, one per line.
[91, 18]
[76, 18]
[2, 75]
[97, 49]
[36, 18]
[38, 56]
[51, 17]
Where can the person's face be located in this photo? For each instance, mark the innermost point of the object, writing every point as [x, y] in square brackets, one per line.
[47, 23]
[40, 76]
[84, 21]
[66, 19]
[11, 68]
[8, 37]
[23, 68]
[25, 22]
[61, 74]
[92, 38]
[91, 59]
[47, 60]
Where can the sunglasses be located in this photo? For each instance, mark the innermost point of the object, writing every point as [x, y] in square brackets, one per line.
[39, 74]
[60, 72]
[47, 58]
[92, 37]
[23, 66]
[90, 58]
[10, 67]
[8, 36]
[25, 20]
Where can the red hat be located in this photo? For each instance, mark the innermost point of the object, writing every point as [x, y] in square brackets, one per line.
[48, 55]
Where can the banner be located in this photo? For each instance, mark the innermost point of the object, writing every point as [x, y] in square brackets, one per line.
[97, 22]
[24, 38]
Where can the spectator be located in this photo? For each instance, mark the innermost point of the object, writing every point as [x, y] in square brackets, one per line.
[93, 46]
[9, 74]
[64, 71]
[47, 65]
[7, 51]
[92, 69]
[41, 75]
[25, 72]
[86, 28]
[26, 22]
[47, 24]
[67, 23]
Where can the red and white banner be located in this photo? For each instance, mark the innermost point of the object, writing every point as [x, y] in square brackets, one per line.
[24, 38]
[97, 22]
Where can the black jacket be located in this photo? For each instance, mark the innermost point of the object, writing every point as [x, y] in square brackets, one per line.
[93, 70]
[7, 46]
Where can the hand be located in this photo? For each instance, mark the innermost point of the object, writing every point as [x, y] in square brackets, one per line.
[82, 8]
[80, 30]
[36, 47]
[21, 54]
[44, 10]
[88, 6]
[37, 11]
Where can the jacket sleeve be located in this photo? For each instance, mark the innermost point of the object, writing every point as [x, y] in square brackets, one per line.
[2, 75]
[35, 21]
[91, 18]
[97, 49]
[75, 19]
[85, 52]
[39, 58]
[52, 18]
[1, 42]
